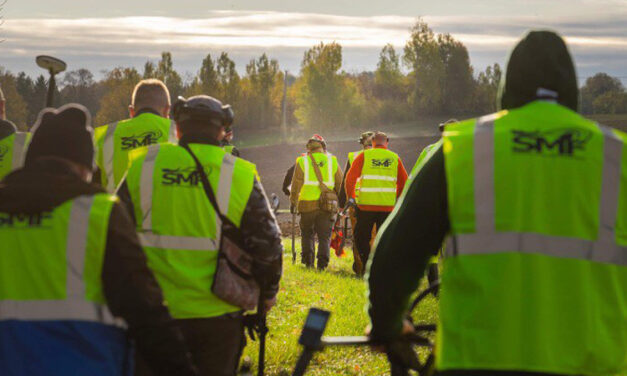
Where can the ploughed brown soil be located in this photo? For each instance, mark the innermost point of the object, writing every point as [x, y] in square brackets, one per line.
[273, 161]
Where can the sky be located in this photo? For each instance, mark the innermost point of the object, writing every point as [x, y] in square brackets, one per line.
[100, 35]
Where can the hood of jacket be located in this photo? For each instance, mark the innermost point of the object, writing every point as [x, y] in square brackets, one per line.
[539, 67]
[41, 186]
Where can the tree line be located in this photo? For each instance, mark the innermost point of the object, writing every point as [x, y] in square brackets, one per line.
[432, 75]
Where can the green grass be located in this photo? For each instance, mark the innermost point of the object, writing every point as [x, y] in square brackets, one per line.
[336, 290]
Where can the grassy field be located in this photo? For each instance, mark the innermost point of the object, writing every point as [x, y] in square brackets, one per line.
[336, 290]
[426, 126]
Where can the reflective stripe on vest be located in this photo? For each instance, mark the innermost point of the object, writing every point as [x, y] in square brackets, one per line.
[149, 239]
[172, 134]
[19, 148]
[487, 240]
[74, 306]
[107, 155]
[146, 185]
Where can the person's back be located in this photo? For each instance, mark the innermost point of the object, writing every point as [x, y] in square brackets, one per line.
[180, 229]
[67, 259]
[533, 199]
[149, 124]
[305, 197]
[185, 220]
[537, 204]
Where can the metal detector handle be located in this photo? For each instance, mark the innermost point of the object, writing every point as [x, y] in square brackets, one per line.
[293, 238]
[51, 88]
[303, 361]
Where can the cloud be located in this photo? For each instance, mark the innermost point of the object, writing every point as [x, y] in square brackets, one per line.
[287, 35]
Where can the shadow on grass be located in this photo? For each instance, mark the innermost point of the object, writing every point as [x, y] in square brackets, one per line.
[342, 273]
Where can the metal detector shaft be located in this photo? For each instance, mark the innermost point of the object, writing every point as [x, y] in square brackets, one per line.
[263, 330]
[51, 87]
[293, 238]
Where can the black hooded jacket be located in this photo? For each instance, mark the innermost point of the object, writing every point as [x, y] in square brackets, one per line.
[419, 224]
[129, 286]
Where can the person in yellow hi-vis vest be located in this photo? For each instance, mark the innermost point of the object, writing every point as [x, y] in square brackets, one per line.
[149, 124]
[382, 177]
[305, 197]
[76, 294]
[532, 202]
[181, 229]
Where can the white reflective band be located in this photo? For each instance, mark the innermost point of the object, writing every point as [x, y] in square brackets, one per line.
[146, 185]
[149, 239]
[330, 176]
[483, 158]
[48, 310]
[224, 190]
[378, 177]
[556, 246]
[74, 306]
[306, 163]
[487, 240]
[610, 183]
[19, 146]
[78, 227]
[172, 136]
[225, 182]
[362, 189]
[108, 147]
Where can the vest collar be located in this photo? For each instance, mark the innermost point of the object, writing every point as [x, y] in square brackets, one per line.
[147, 110]
[198, 138]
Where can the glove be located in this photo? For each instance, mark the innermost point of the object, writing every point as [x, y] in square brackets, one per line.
[351, 202]
[292, 209]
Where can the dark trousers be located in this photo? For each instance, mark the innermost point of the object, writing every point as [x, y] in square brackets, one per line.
[215, 344]
[365, 220]
[313, 223]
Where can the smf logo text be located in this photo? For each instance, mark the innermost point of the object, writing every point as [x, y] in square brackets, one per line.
[382, 163]
[144, 139]
[24, 220]
[558, 142]
[182, 177]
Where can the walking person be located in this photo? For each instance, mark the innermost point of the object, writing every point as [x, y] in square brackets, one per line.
[73, 274]
[531, 201]
[148, 124]
[182, 232]
[381, 176]
[365, 140]
[311, 171]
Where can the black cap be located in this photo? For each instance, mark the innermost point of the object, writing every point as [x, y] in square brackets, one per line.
[203, 108]
[64, 133]
[7, 128]
[539, 67]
